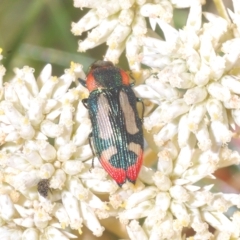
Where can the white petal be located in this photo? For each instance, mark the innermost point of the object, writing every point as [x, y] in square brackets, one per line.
[166, 133]
[118, 36]
[87, 22]
[126, 17]
[140, 211]
[6, 207]
[138, 197]
[176, 108]
[146, 175]
[215, 110]
[65, 152]
[86, 4]
[24, 222]
[232, 52]
[51, 129]
[54, 233]
[72, 207]
[99, 34]
[220, 132]
[236, 6]
[31, 233]
[46, 171]
[10, 233]
[195, 95]
[184, 160]
[48, 85]
[183, 131]
[170, 33]
[58, 179]
[202, 134]
[61, 214]
[125, 4]
[23, 93]
[90, 220]
[10, 94]
[135, 231]
[144, 91]
[114, 54]
[219, 92]
[46, 151]
[195, 16]
[139, 26]
[62, 86]
[179, 193]
[72, 167]
[107, 8]
[236, 116]
[232, 83]
[165, 90]
[44, 75]
[179, 210]
[195, 116]
[83, 153]
[162, 181]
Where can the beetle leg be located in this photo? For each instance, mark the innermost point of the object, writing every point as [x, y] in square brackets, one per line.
[143, 107]
[91, 146]
[84, 101]
[82, 82]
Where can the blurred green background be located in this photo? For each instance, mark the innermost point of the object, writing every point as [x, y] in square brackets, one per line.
[38, 32]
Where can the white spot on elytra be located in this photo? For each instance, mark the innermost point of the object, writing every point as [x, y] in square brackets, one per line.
[107, 154]
[103, 121]
[134, 147]
[129, 115]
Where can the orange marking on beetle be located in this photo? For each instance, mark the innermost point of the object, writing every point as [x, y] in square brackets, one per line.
[91, 82]
[125, 77]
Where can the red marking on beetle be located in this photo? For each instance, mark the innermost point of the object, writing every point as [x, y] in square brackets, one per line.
[133, 171]
[118, 174]
[91, 82]
[125, 77]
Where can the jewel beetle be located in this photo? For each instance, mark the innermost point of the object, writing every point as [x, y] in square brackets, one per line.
[117, 135]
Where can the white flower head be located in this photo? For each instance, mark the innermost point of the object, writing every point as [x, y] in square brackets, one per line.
[44, 140]
[196, 71]
[194, 88]
[121, 24]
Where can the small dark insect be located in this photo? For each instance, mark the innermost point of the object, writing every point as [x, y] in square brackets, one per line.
[43, 187]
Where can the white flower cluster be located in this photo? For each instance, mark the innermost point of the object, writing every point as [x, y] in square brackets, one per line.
[121, 24]
[192, 107]
[197, 81]
[44, 130]
[192, 111]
